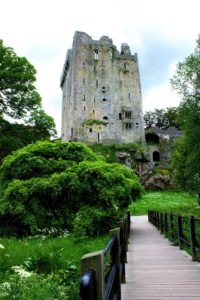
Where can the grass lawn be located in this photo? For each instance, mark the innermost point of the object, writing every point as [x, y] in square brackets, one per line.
[166, 201]
[43, 267]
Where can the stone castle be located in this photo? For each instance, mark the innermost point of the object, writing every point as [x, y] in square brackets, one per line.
[102, 100]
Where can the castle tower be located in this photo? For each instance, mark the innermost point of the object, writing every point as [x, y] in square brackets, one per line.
[102, 100]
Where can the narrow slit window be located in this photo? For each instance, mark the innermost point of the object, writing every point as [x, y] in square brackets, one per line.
[120, 116]
[96, 54]
[128, 114]
[84, 97]
[83, 80]
[97, 83]
[90, 130]
[93, 112]
[94, 100]
[84, 108]
[128, 126]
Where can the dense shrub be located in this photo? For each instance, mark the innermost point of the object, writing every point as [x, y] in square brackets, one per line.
[93, 221]
[45, 184]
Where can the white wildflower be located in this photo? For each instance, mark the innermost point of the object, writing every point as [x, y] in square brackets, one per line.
[6, 286]
[2, 247]
[21, 272]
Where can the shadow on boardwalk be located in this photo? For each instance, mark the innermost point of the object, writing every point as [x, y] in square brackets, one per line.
[156, 270]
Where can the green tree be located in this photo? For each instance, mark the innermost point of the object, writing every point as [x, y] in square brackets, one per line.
[18, 94]
[19, 99]
[187, 156]
[161, 118]
[46, 183]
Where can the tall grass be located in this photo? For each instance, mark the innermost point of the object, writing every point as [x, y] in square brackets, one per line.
[52, 263]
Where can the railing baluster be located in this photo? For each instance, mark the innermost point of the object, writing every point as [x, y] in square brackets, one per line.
[193, 237]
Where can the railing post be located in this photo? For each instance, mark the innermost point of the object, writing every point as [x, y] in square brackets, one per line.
[115, 256]
[180, 231]
[161, 223]
[129, 221]
[95, 261]
[192, 237]
[165, 222]
[171, 225]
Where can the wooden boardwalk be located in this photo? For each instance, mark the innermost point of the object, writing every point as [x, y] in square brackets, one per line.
[156, 270]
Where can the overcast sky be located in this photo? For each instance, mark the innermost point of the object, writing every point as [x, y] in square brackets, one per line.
[162, 32]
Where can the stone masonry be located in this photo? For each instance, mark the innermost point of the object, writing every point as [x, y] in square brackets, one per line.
[102, 100]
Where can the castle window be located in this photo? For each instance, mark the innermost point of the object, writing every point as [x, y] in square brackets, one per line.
[97, 83]
[90, 129]
[128, 114]
[125, 65]
[137, 124]
[128, 126]
[84, 108]
[83, 80]
[94, 100]
[120, 116]
[129, 95]
[93, 112]
[71, 132]
[96, 54]
[103, 89]
[95, 69]
[104, 99]
[105, 118]
[98, 137]
[83, 63]
[84, 97]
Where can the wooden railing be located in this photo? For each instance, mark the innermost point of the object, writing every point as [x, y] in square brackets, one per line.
[184, 230]
[104, 271]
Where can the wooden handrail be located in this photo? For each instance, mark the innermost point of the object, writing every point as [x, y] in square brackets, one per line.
[181, 228]
[96, 282]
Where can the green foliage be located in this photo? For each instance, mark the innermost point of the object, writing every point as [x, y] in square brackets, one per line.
[45, 184]
[109, 152]
[43, 268]
[20, 100]
[186, 159]
[90, 122]
[94, 221]
[18, 94]
[14, 136]
[161, 118]
[166, 201]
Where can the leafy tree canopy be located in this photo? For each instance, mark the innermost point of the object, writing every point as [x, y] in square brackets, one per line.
[18, 94]
[20, 100]
[187, 156]
[161, 118]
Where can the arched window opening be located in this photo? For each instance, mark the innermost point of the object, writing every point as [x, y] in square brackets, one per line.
[156, 156]
[90, 130]
[103, 89]
[105, 118]
[104, 99]
[152, 138]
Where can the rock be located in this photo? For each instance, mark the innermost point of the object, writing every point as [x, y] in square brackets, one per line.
[158, 182]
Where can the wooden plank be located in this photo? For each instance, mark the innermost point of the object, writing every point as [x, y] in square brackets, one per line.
[156, 269]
